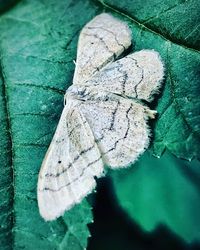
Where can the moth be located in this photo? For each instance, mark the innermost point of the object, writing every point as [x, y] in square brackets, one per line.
[104, 120]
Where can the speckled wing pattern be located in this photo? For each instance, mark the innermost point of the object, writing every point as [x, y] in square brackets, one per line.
[71, 162]
[117, 134]
[101, 41]
[138, 75]
[104, 121]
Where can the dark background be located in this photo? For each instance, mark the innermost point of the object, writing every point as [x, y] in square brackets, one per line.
[114, 230]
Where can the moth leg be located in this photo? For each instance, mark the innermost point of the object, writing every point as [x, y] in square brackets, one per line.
[150, 113]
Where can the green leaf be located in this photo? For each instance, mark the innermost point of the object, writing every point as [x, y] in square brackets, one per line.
[171, 28]
[166, 191]
[37, 47]
[6, 188]
[161, 192]
[38, 42]
[177, 21]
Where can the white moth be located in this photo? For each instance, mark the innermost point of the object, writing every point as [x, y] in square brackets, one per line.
[104, 121]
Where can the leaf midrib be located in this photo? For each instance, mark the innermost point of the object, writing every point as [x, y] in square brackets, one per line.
[10, 140]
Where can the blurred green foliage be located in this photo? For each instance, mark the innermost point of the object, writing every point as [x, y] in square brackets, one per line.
[163, 191]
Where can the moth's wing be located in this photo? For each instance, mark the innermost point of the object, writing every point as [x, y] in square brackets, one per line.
[102, 40]
[120, 128]
[70, 165]
[137, 75]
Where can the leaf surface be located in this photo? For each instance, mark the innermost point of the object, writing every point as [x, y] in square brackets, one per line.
[38, 43]
[37, 47]
[172, 28]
